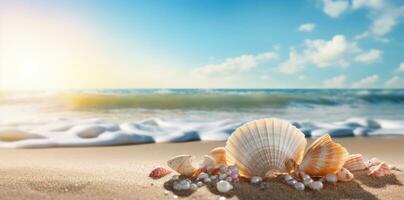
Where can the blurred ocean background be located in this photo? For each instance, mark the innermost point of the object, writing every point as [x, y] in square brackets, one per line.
[135, 116]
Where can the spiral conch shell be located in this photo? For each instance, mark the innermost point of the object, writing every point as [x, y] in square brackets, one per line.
[323, 157]
[219, 154]
[262, 147]
[355, 162]
[183, 164]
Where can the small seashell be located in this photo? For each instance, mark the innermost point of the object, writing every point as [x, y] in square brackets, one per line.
[380, 170]
[219, 155]
[223, 186]
[159, 172]
[255, 179]
[392, 167]
[316, 185]
[323, 156]
[331, 178]
[373, 162]
[182, 164]
[344, 175]
[355, 162]
[299, 186]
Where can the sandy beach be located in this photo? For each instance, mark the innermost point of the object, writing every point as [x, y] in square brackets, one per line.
[121, 172]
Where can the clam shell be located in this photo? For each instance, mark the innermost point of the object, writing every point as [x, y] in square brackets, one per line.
[183, 164]
[159, 172]
[344, 175]
[219, 154]
[380, 170]
[323, 157]
[261, 147]
[355, 162]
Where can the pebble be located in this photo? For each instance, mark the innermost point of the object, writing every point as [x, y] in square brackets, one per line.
[214, 177]
[203, 175]
[199, 183]
[175, 178]
[175, 197]
[193, 186]
[288, 178]
[316, 185]
[182, 185]
[307, 182]
[166, 192]
[206, 180]
[331, 178]
[299, 186]
[223, 186]
[222, 176]
[222, 198]
[291, 182]
[255, 179]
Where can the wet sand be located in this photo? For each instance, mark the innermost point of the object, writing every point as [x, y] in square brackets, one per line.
[121, 172]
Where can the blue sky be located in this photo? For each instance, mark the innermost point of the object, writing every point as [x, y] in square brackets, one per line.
[219, 44]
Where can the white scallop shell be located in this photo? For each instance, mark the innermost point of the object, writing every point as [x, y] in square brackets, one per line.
[182, 164]
[261, 147]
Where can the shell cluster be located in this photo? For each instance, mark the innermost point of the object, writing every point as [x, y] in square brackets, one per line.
[263, 149]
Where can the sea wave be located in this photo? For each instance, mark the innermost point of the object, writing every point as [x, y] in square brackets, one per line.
[97, 132]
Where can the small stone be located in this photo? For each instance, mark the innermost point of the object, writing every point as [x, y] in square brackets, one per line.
[175, 177]
[307, 182]
[203, 175]
[316, 185]
[299, 186]
[199, 183]
[206, 180]
[292, 182]
[222, 198]
[222, 169]
[331, 178]
[223, 186]
[182, 185]
[288, 178]
[305, 177]
[166, 192]
[175, 197]
[214, 177]
[222, 176]
[255, 179]
[193, 186]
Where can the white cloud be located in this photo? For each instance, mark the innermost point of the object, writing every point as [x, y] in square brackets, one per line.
[369, 57]
[394, 82]
[322, 53]
[307, 27]
[335, 82]
[301, 77]
[401, 67]
[369, 81]
[334, 8]
[362, 35]
[234, 65]
[384, 15]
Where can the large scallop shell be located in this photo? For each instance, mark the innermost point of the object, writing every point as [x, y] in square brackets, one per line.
[262, 147]
[355, 162]
[182, 164]
[219, 154]
[323, 157]
[380, 170]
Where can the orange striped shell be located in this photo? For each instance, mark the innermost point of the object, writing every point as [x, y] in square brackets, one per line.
[323, 157]
[355, 162]
[159, 172]
[380, 170]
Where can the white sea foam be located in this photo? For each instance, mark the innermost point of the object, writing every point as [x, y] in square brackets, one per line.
[97, 132]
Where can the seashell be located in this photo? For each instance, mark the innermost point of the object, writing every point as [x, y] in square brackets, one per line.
[219, 155]
[380, 170]
[355, 162]
[344, 175]
[223, 186]
[208, 162]
[261, 147]
[159, 172]
[323, 157]
[373, 162]
[182, 164]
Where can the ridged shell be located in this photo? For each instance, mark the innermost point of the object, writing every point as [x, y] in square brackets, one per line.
[261, 147]
[219, 154]
[323, 157]
[355, 162]
[159, 172]
[208, 162]
[344, 175]
[182, 164]
[380, 170]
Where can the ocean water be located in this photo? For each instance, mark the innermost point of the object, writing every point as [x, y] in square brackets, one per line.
[135, 116]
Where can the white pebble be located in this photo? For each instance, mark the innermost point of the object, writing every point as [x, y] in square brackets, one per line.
[292, 182]
[222, 198]
[166, 192]
[207, 180]
[307, 182]
[214, 177]
[223, 186]
[193, 186]
[288, 177]
[305, 177]
[199, 183]
[299, 186]
[331, 178]
[175, 197]
[316, 185]
[255, 179]
[203, 175]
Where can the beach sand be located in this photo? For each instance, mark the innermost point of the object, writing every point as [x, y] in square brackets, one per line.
[121, 172]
